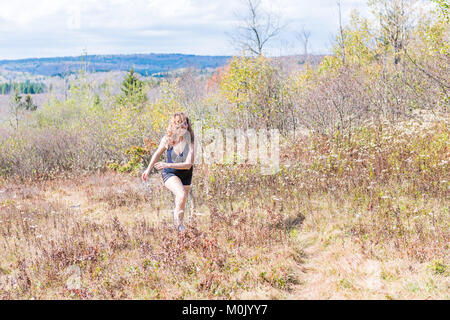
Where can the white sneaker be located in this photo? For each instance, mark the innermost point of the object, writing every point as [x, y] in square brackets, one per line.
[178, 220]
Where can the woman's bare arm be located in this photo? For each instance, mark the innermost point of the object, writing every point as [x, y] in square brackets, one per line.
[157, 154]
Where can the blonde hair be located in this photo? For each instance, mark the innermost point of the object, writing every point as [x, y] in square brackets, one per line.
[177, 119]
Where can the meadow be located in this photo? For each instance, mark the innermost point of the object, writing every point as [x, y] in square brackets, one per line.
[358, 210]
[354, 221]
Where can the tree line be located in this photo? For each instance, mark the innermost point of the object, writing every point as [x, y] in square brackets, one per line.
[26, 87]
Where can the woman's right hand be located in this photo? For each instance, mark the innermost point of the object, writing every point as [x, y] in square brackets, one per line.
[145, 175]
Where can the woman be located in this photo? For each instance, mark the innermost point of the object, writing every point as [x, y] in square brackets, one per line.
[177, 171]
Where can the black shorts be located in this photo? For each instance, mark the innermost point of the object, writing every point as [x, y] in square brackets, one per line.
[184, 175]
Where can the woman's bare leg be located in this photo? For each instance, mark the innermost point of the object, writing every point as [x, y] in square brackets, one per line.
[190, 198]
[174, 184]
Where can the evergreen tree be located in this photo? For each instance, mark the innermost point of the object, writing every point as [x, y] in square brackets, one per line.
[133, 90]
[97, 101]
[131, 84]
[29, 104]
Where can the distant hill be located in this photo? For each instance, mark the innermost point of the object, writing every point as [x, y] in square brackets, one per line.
[145, 64]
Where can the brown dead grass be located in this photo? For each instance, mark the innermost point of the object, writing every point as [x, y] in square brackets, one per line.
[361, 219]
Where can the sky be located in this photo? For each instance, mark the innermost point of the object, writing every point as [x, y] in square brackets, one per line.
[51, 28]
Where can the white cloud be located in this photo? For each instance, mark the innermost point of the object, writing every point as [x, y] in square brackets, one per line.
[46, 27]
[22, 13]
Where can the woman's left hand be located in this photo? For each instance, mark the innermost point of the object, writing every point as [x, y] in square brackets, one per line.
[160, 165]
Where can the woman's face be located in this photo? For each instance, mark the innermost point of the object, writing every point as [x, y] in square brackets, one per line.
[182, 128]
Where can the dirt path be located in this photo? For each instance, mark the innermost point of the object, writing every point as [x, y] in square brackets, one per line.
[334, 272]
[338, 270]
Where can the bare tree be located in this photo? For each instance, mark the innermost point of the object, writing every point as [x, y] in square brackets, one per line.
[16, 109]
[192, 83]
[303, 36]
[341, 36]
[396, 19]
[255, 29]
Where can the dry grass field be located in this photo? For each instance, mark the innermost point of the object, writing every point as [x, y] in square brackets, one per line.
[352, 220]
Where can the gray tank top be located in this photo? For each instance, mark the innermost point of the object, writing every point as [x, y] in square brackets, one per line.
[173, 157]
